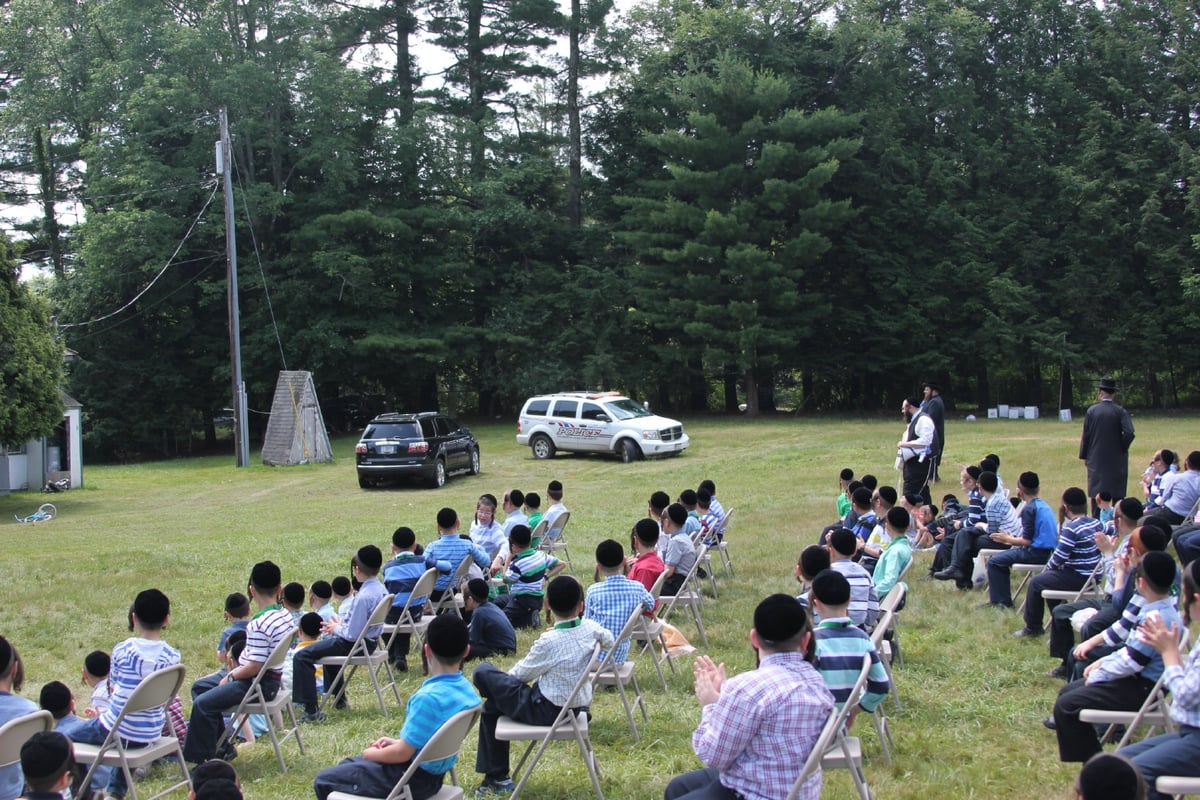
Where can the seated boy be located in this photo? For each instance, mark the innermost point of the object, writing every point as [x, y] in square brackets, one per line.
[48, 762]
[132, 660]
[400, 575]
[645, 564]
[554, 665]
[320, 600]
[56, 698]
[1122, 680]
[442, 695]
[293, 598]
[96, 666]
[897, 555]
[490, 631]
[237, 614]
[452, 549]
[613, 600]
[528, 570]
[841, 646]
[864, 599]
[680, 553]
[343, 635]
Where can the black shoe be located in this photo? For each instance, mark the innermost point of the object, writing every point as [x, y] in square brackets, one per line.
[1062, 672]
[342, 704]
[964, 586]
[950, 574]
[1029, 633]
[1050, 724]
[227, 752]
[400, 665]
[994, 605]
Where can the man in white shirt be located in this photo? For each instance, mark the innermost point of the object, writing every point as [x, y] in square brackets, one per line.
[916, 449]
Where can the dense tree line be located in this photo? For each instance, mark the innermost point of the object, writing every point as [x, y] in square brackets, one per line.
[703, 203]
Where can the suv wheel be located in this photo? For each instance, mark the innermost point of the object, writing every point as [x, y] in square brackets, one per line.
[475, 470]
[438, 479]
[542, 447]
[630, 452]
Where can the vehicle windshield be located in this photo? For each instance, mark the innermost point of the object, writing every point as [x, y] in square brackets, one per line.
[626, 409]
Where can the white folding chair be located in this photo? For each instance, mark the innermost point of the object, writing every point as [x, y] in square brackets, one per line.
[16, 732]
[650, 630]
[154, 691]
[609, 673]
[884, 648]
[892, 602]
[688, 597]
[1177, 785]
[255, 702]
[835, 749]
[1091, 588]
[445, 743]
[452, 599]
[567, 726]
[1027, 571]
[1155, 711]
[361, 655]
[539, 531]
[416, 600]
[722, 545]
[553, 542]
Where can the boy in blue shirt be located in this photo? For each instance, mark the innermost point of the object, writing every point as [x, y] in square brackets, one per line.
[491, 633]
[237, 614]
[443, 694]
[399, 576]
[452, 548]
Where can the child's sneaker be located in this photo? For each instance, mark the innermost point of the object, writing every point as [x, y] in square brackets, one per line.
[312, 716]
[494, 788]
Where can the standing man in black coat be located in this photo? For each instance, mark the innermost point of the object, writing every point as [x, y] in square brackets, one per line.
[1104, 446]
[936, 409]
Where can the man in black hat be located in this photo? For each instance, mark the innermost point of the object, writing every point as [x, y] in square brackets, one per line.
[757, 728]
[933, 406]
[1104, 446]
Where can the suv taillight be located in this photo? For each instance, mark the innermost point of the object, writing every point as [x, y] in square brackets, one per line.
[418, 447]
[360, 449]
[518, 426]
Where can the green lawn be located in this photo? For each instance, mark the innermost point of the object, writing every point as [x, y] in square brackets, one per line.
[973, 696]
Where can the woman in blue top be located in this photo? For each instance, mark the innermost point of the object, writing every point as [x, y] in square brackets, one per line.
[1175, 753]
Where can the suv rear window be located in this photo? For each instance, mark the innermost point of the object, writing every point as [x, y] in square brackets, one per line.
[392, 430]
[537, 408]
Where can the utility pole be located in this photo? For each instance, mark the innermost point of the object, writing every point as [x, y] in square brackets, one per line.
[241, 435]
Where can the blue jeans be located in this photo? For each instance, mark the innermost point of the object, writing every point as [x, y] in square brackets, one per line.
[1169, 754]
[93, 732]
[209, 699]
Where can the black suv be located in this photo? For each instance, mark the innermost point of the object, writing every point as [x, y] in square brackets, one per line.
[428, 445]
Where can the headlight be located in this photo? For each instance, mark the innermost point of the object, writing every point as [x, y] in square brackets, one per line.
[650, 435]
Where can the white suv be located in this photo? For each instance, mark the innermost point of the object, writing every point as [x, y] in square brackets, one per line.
[601, 422]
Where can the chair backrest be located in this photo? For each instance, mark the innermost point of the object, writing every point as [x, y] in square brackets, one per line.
[377, 618]
[421, 590]
[833, 727]
[560, 522]
[656, 589]
[446, 742]
[893, 599]
[1093, 580]
[16, 732]
[156, 689]
[634, 623]
[725, 522]
[539, 530]
[881, 627]
[584, 679]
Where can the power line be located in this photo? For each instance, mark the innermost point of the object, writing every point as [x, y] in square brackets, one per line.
[161, 272]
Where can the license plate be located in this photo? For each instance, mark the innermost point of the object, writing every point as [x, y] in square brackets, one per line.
[387, 449]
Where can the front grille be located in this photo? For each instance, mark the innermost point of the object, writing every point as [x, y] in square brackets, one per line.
[671, 434]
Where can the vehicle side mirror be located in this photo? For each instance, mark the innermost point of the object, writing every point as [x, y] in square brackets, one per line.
[603, 418]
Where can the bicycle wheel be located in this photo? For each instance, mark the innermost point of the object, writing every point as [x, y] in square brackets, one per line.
[48, 510]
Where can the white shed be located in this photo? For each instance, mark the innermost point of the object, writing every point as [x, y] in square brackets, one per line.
[37, 462]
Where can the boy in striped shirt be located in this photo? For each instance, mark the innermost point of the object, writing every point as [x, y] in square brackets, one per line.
[526, 574]
[133, 660]
[841, 646]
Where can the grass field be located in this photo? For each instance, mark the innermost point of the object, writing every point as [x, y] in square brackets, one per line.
[973, 696]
